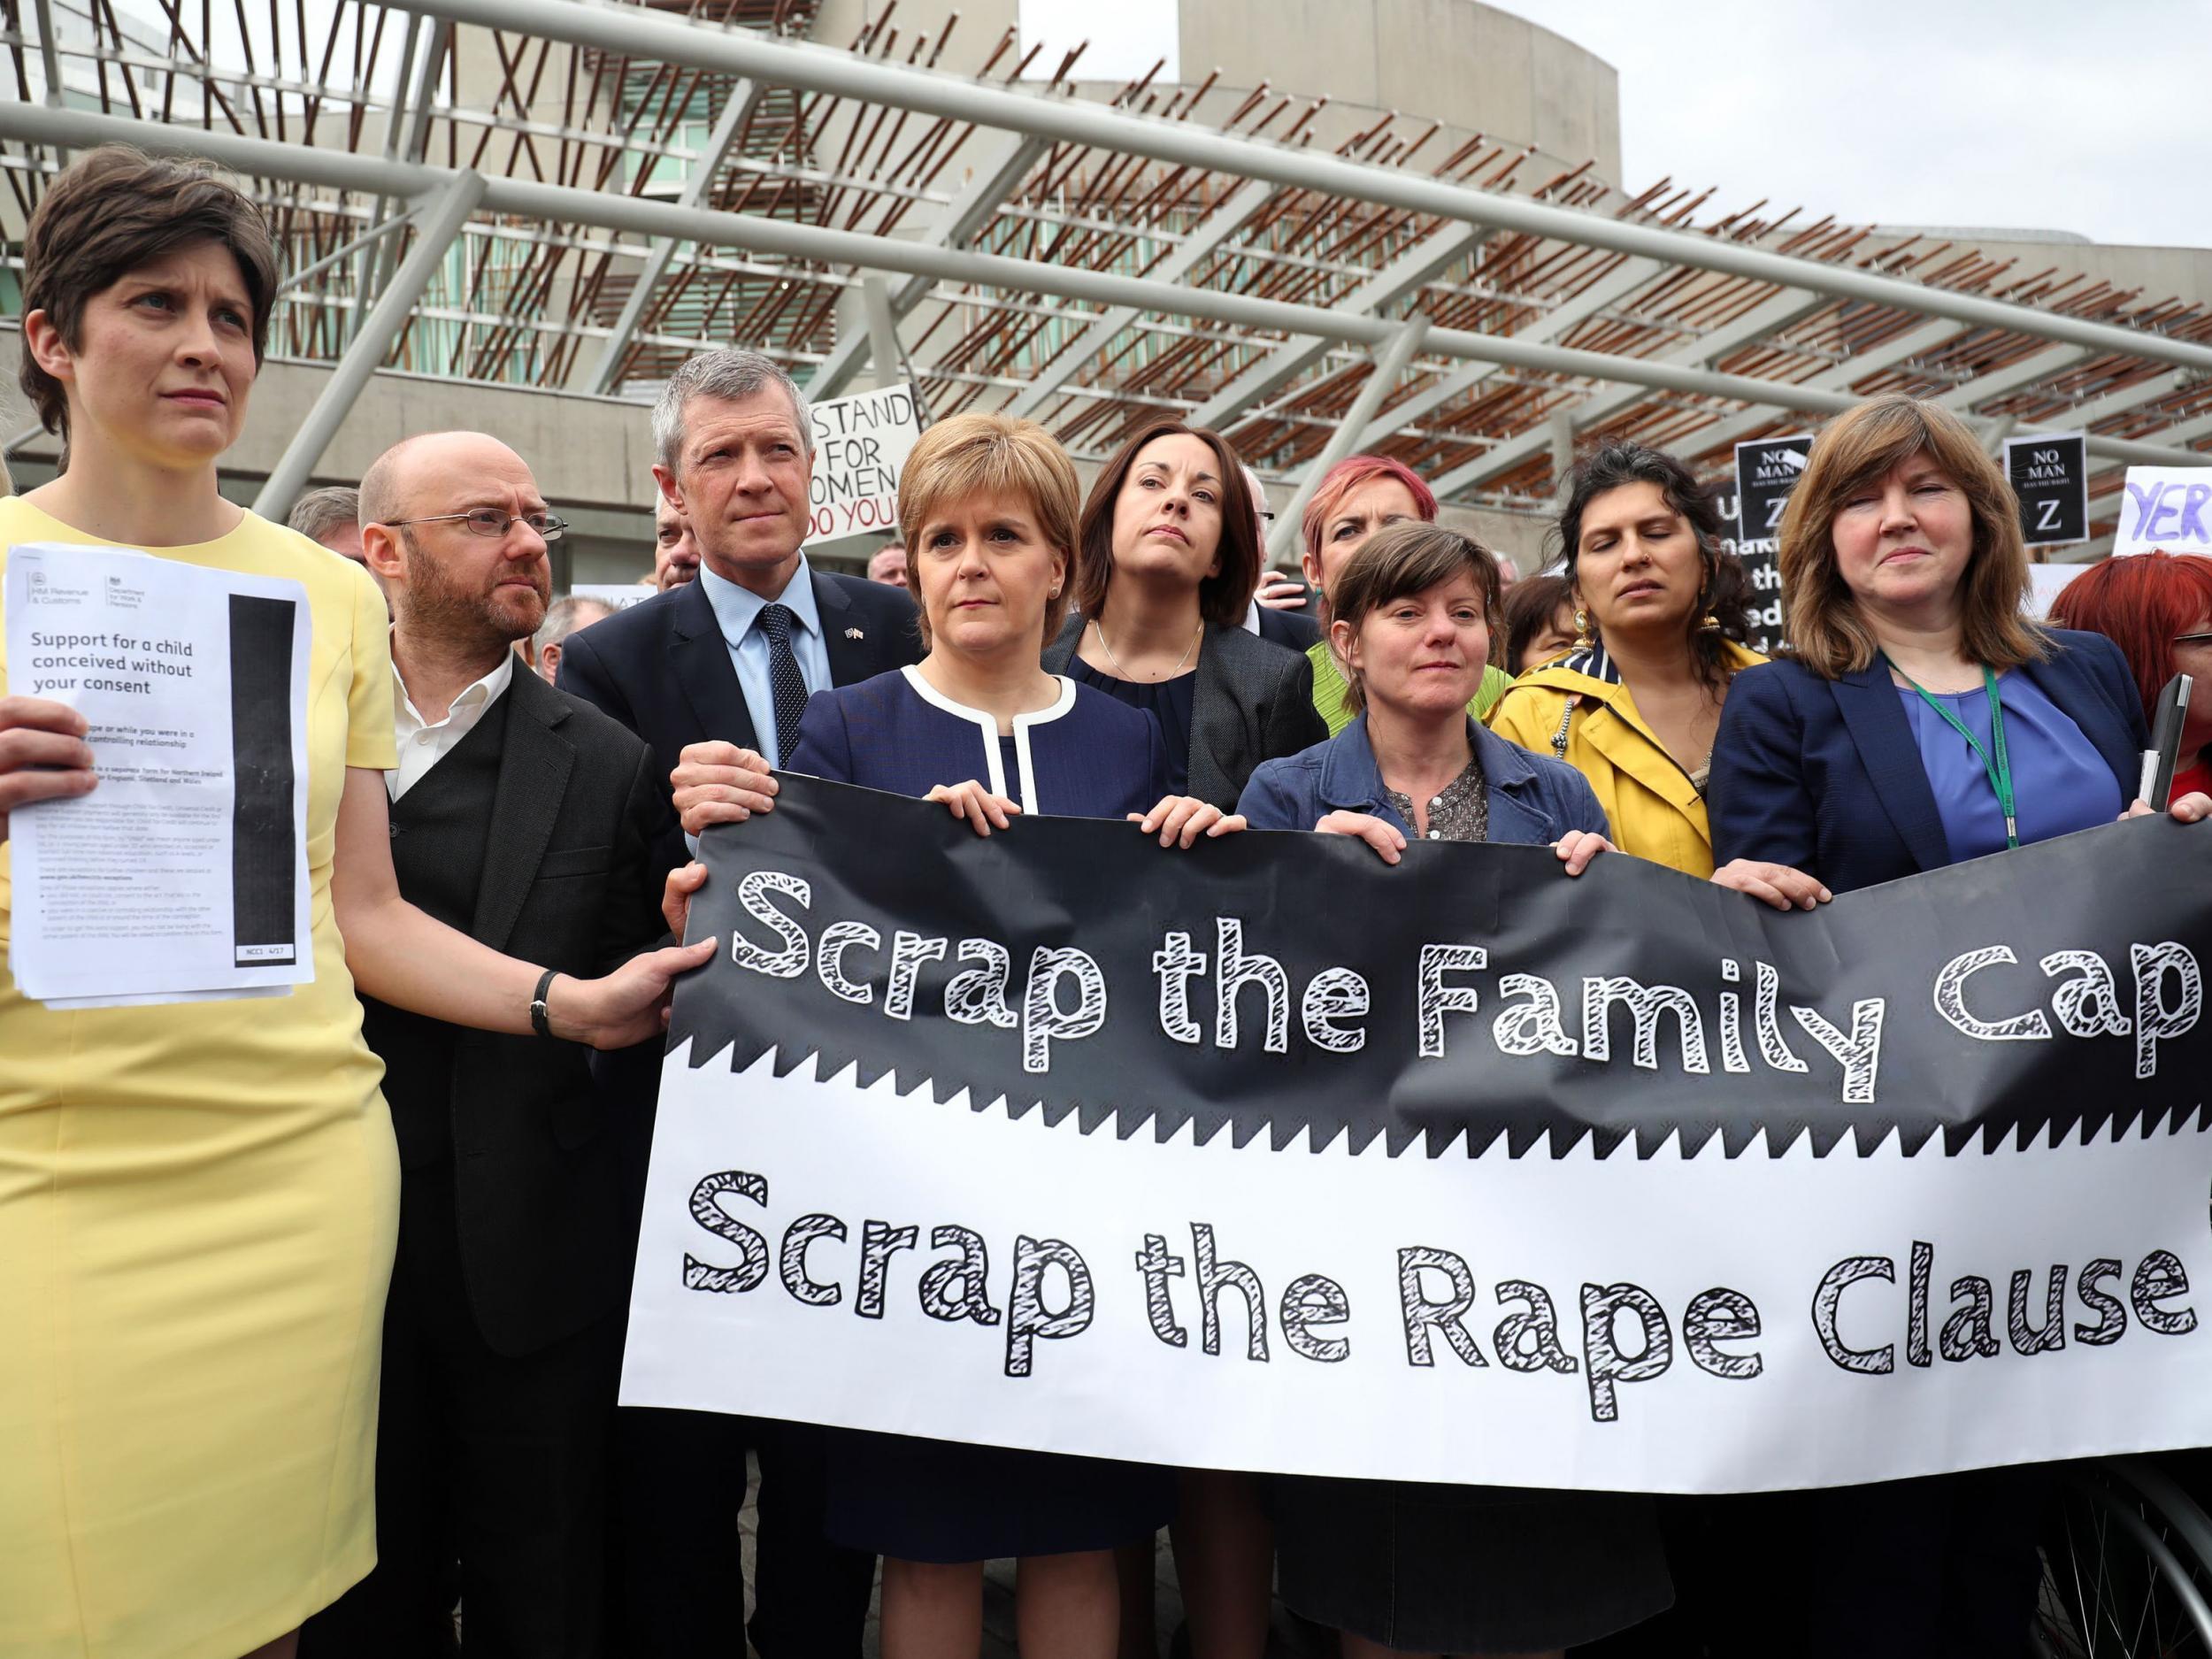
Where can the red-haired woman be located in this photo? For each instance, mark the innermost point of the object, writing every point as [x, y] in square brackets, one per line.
[1355, 498]
[2157, 609]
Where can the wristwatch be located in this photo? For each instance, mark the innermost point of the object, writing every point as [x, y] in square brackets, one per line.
[540, 1019]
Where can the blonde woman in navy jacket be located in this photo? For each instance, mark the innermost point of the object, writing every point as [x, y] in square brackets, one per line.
[1409, 1567]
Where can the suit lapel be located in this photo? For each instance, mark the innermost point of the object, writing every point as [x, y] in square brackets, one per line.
[701, 662]
[1216, 724]
[852, 653]
[1883, 736]
[533, 770]
[1060, 652]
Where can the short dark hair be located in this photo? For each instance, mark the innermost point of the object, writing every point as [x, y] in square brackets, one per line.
[116, 210]
[1529, 605]
[1398, 559]
[1618, 462]
[1222, 597]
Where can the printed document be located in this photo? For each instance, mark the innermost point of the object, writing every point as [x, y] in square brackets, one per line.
[183, 875]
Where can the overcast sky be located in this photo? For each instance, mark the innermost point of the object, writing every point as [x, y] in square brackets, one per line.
[2094, 117]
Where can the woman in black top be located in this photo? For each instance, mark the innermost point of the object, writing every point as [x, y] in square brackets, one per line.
[1169, 552]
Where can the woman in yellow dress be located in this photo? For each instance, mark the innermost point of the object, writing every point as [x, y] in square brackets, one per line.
[1633, 707]
[198, 1201]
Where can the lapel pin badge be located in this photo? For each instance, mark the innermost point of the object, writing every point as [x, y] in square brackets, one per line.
[855, 633]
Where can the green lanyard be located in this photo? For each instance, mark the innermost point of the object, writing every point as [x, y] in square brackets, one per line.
[2000, 770]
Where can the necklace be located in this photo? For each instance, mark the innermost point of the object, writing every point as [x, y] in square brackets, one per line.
[1171, 673]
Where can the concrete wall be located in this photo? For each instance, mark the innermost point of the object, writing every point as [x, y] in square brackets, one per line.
[1471, 66]
[2156, 272]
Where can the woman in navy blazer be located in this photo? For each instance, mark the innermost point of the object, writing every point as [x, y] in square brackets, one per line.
[1923, 720]
[988, 508]
[1850, 763]
[1398, 1567]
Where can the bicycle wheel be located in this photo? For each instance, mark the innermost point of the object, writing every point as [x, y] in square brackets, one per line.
[2125, 1568]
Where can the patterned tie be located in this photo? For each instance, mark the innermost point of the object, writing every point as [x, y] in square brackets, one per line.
[785, 682]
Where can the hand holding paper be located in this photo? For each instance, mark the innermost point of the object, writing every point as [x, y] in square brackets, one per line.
[184, 874]
[42, 754]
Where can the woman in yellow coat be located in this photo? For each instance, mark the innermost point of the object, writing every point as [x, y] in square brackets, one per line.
[198, 1201]
[1659, 610]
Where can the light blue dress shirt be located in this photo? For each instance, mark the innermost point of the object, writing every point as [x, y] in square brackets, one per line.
[735, 611]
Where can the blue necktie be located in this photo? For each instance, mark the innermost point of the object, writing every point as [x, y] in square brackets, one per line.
[786, 684]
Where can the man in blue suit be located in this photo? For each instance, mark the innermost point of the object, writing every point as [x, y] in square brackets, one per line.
[713, 675]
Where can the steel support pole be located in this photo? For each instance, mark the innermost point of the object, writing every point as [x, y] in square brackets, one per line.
[439, 225]
[560, 204]
[1607, 291]
[1402, 276]
[1779, 312]
[49, 51]
[883, 330]
[736, 113]
[1390, 363]
[1210, 232]
[49, 65]
[633, 31]
[365, 267]
[1928, 337]
[966, 215]
[2043, 365]
[407, 139]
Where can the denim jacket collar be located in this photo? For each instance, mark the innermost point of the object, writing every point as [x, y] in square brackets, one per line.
[1351, 781]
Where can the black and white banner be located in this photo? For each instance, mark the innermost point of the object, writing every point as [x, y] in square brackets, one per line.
[1266, 1156]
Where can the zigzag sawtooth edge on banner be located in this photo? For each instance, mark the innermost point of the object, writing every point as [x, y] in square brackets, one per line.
[1199, 1124]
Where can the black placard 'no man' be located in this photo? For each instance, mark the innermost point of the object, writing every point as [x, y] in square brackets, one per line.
[1766, 470]
[2050, 474]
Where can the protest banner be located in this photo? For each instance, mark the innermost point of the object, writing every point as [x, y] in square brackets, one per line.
[2050, 475]
[2046, 582]
[1767, 469]
[1763, 630]
[2165, 509]
[1267, 1155]
[860, 445]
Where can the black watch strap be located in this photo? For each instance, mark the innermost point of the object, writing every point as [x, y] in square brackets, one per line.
[539, 1022]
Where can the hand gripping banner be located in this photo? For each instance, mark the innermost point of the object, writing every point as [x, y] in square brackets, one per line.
[1266, 1156]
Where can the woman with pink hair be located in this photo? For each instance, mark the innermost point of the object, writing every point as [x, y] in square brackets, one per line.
[1355, 498]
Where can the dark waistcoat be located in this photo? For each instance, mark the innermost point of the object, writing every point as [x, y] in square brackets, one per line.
[440, 829]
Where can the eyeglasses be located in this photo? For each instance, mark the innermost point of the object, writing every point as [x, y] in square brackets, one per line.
[2193, 639]
[491, 521]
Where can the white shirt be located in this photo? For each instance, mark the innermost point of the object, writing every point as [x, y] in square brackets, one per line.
[424, 743]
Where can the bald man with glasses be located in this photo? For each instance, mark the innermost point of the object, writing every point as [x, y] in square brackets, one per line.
[527, 819]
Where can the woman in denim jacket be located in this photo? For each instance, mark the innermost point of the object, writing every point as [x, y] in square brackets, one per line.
[1410, 625]
[1401, 1567]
